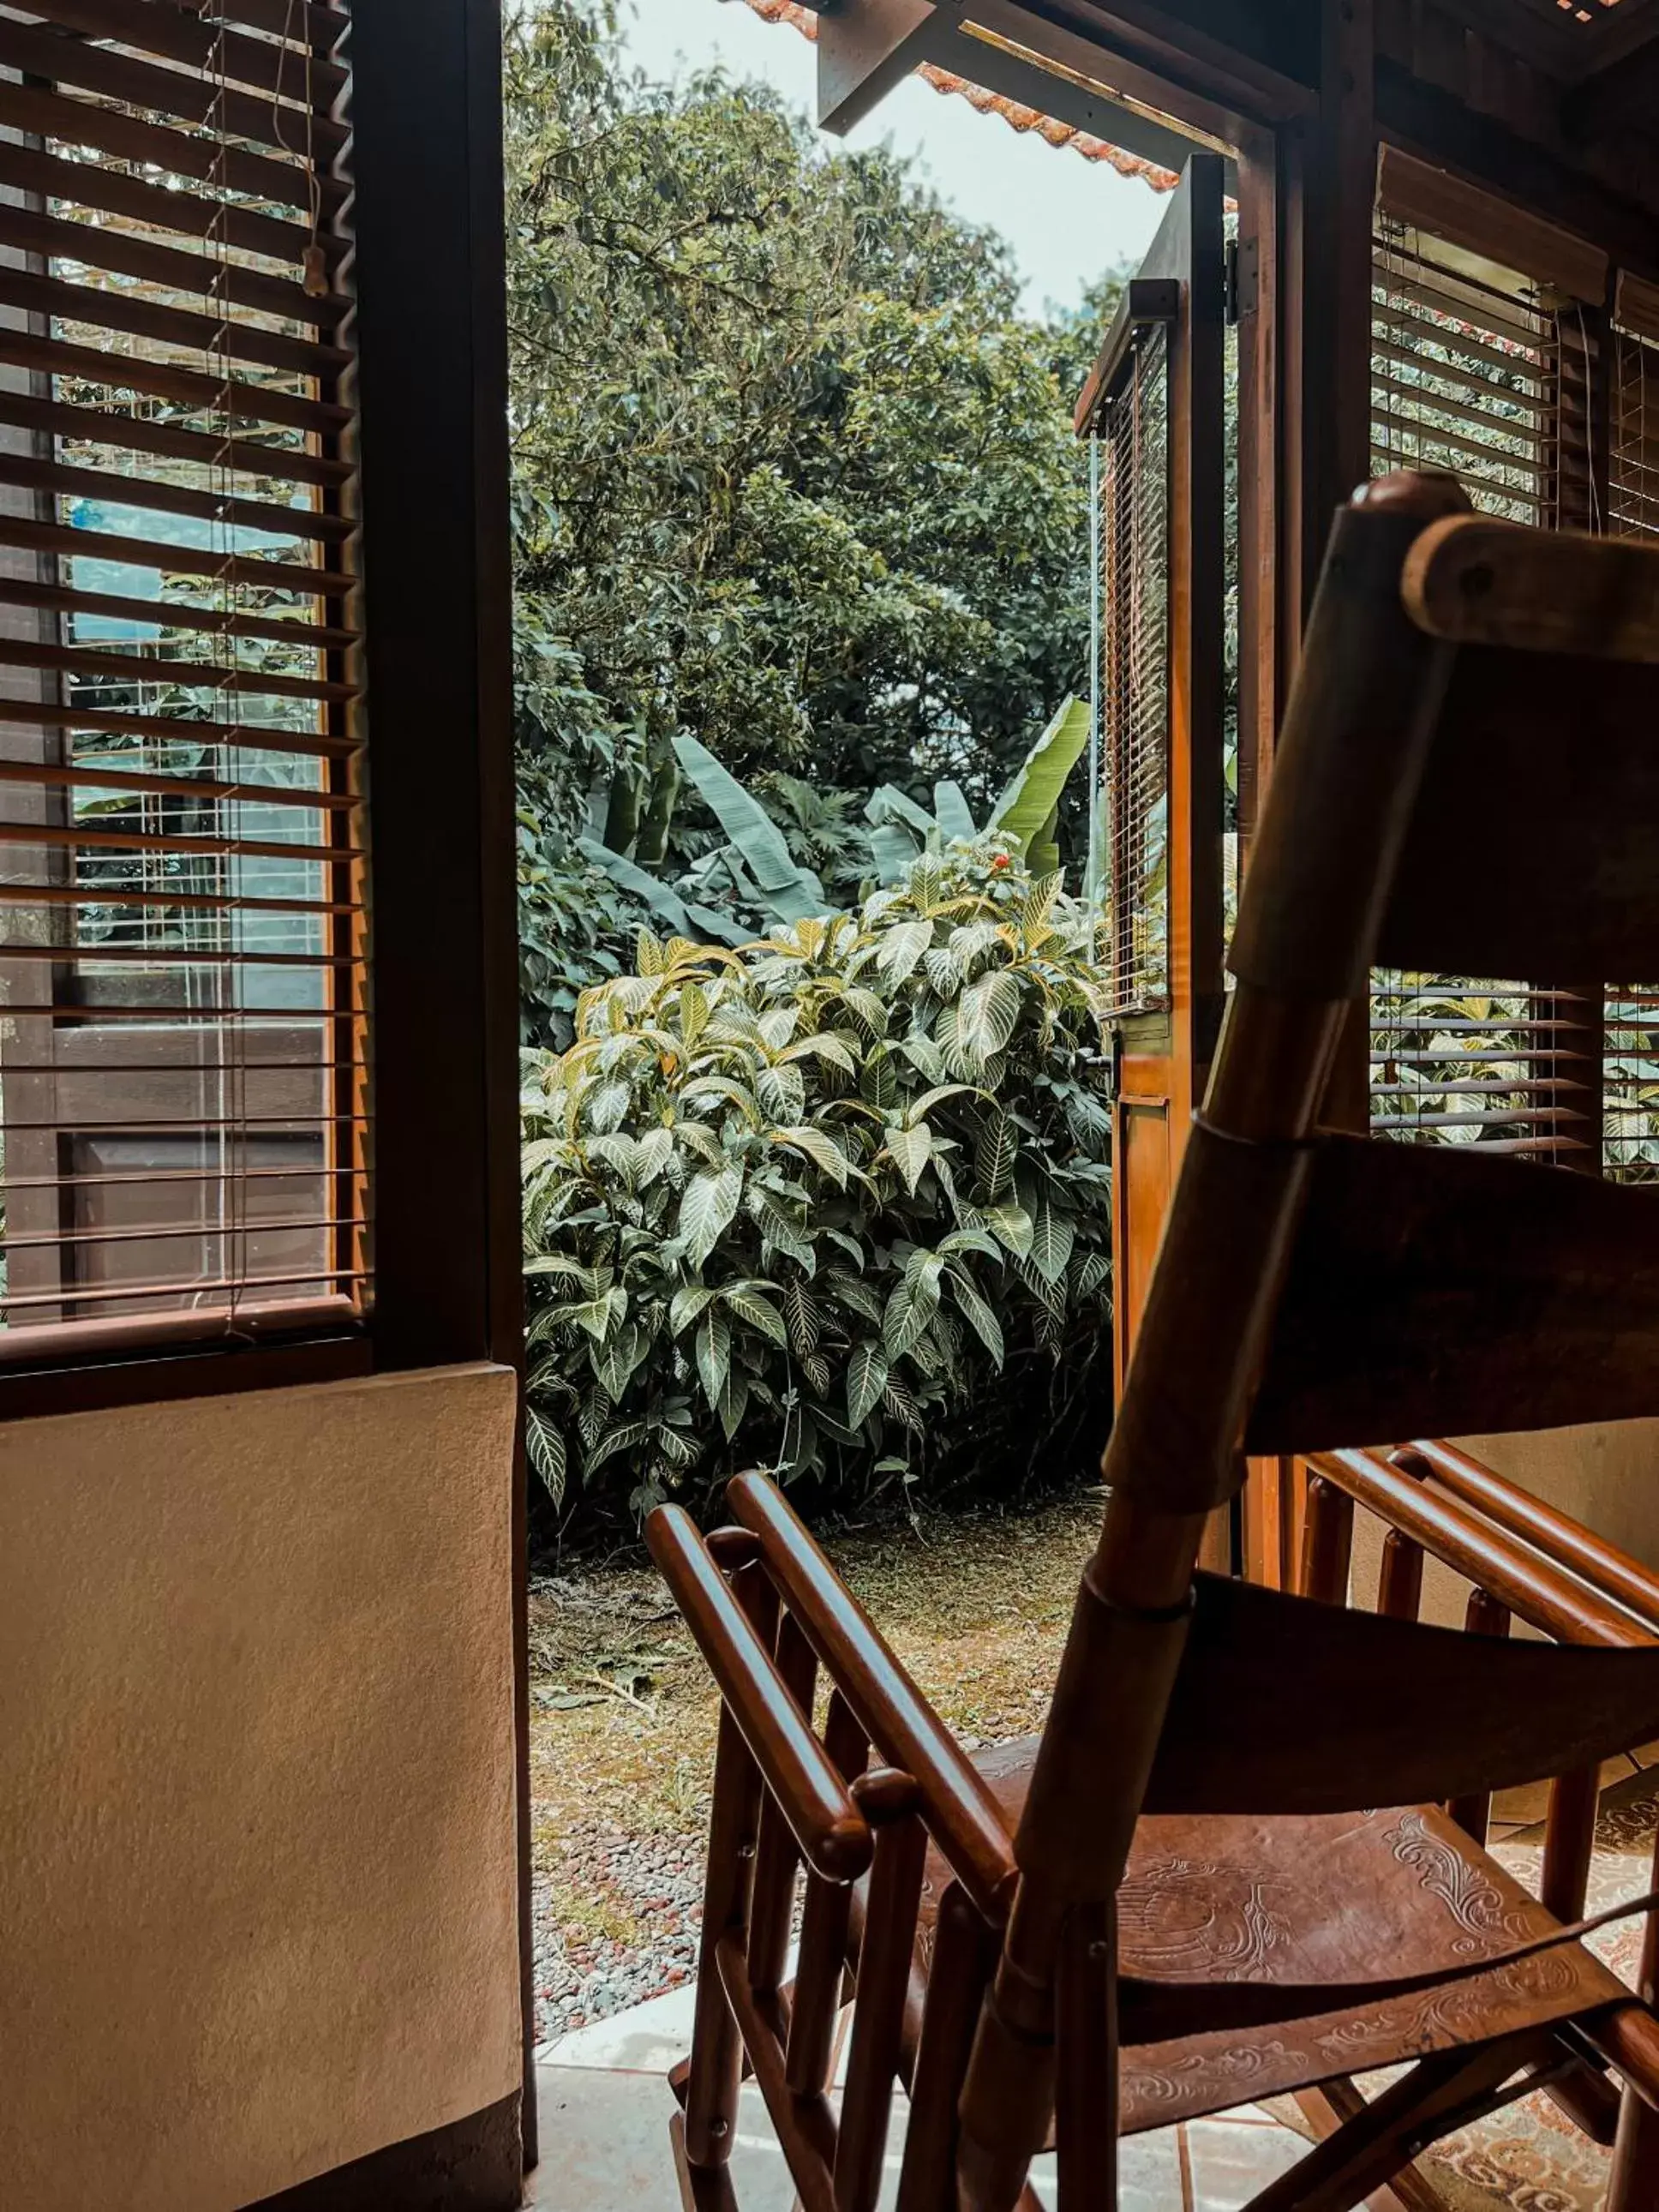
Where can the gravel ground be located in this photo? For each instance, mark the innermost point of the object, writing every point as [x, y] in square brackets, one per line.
[623, 1728]
[584, 1974]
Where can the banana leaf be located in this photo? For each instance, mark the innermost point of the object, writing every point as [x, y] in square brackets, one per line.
[685, 920]
[1029, 803]
[954, 814]
[793, 893]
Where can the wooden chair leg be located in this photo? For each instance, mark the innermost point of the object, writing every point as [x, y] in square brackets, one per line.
[1634, 2184]
[1332, 2106]
[1085, 2083]
[1380, 2141]
[702, 2188]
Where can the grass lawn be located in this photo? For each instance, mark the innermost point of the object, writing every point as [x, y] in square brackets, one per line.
[623, 1714]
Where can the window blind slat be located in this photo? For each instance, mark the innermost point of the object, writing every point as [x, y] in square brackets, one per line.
[181, 617]
[233, 400]
[232, 456]
[130, 253]
[170, 34]
[184, 1069]
[107, 308]
[225, 509]
[104, 191]
[194, 96]
[70, 123]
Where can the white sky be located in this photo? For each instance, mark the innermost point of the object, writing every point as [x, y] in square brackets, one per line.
[1067, 219]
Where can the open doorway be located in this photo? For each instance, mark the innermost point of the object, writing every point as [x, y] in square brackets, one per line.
[865, 596]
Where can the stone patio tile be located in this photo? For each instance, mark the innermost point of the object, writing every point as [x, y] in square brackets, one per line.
[604, 2146]
[1232, 2160]
[647, 2039]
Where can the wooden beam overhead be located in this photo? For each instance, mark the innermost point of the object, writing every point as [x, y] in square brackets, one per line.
[865, 48]
[1621, 95]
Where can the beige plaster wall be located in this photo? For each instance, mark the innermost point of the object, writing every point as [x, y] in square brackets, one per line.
[256, 1890]
[1607, 1477]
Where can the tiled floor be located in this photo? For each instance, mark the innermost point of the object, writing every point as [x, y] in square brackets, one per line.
[606, 2104]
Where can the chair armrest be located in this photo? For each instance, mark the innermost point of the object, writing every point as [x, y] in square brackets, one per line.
[1535, 1591]
[957, 1807]
[834, 1836]
[1625, 1580]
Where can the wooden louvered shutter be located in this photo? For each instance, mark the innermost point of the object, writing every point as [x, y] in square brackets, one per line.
[182, 1059]
[1630, 1080]
[1493, 372]
[1133, 435]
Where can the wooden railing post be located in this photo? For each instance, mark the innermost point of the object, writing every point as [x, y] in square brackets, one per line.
[716, 2068]
[890, 1801]
[1483, 1616]
[1326, 1542]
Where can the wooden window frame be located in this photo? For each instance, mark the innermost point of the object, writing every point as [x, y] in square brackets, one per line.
[425, 112]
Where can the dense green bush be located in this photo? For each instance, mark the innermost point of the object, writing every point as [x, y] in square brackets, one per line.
[835, 1203]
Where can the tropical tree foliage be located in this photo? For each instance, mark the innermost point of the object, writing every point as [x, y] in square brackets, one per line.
[793, 479]
[835, 1203]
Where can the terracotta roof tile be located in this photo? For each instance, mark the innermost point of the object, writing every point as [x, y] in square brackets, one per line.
[1013, 112]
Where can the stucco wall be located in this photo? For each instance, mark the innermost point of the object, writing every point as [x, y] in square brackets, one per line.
[256, 1891]
[1606, 1476]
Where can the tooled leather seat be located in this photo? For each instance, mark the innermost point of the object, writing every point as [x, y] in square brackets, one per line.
[1318, 1898]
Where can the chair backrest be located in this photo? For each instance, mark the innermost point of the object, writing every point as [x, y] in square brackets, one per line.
[1467, 781]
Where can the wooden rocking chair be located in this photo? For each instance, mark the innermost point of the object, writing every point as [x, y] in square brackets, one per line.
[1182, 1896]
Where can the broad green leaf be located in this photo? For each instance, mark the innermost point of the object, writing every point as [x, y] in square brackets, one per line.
[858, 1297]
[693, 1013]
[617, 1152]
[685, 1306]
[893, 849]
[735, 1403]
[878, 1084]
[816, 1368]
[889, 804]
[902, 949]
[1053, 1236]
[988, 1013]
[792, 893]
[714, 1355]
[822, 1150]
[1011, 1226]
[676, 1447]
[606, 1106]
[706, 1209]
[757, 1312]
[712, 1089]
[919, 1108]
[909, 1311]
[592, 1415]
[544, 1448]
[780, 1228]
[980, 1318]
[903, 1406]
[622, 1437]
[800, 1312]
[783, 1092]
[954, 814]
[1039, 903]
[653, 1152]
[910, 1150]
[1032, 797]
[943, 969]
[657, 895]
[866, 1378]
[995, 1153]
[822, 1046]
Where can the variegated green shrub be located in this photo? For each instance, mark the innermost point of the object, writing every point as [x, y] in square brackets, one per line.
[796, 1204]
